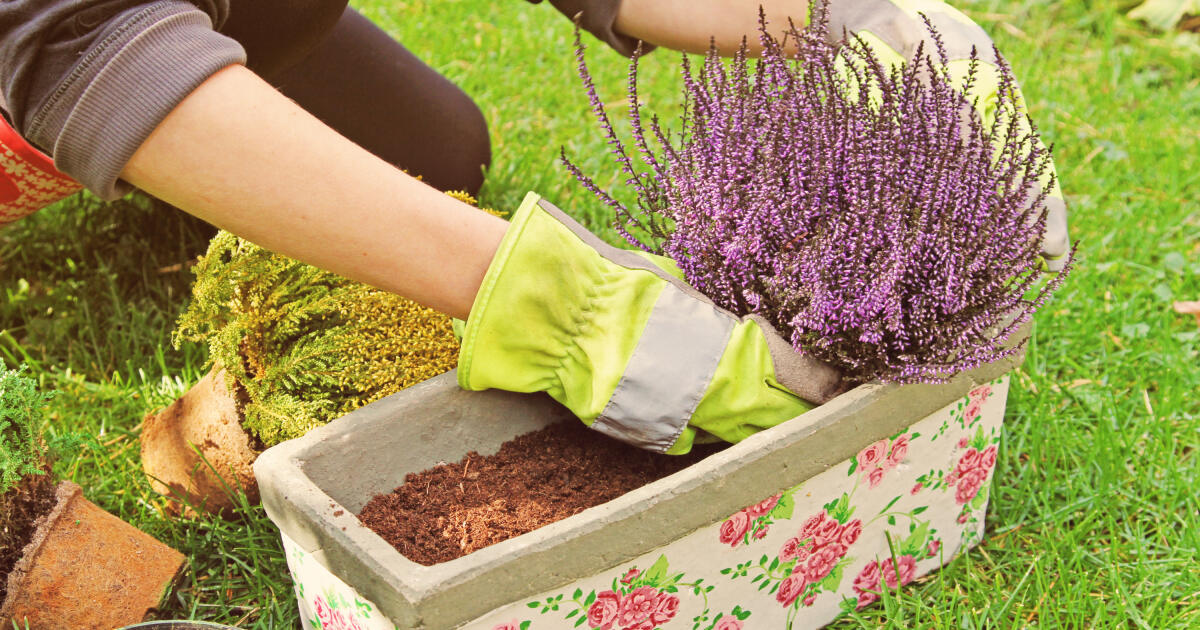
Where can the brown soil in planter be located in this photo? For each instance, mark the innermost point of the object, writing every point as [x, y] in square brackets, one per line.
[538, 478]
[20, 508]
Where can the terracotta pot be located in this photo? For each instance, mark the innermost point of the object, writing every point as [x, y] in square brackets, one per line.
[86, 568]
[196, 451]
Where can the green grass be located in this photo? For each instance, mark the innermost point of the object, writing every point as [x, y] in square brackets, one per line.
[1094, 520]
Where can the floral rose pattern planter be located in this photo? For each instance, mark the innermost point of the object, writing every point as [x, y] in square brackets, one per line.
[901, 508]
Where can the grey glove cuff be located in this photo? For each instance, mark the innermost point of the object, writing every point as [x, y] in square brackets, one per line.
[807, 377]
[599, 17]
[149, 60]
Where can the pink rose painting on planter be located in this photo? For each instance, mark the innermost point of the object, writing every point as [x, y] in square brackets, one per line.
[332, 617]
[975, 399]
[893, 571]
[753, 523]
[873, 462]
[810, 562]
[637, 600]
[971, 471]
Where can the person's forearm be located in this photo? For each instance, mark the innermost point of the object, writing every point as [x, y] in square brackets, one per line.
[238, 154]
[691, 25]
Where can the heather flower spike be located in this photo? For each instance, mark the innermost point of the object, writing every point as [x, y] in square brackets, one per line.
[867, 211]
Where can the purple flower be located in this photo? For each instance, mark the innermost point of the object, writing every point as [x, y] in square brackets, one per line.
[869, 212]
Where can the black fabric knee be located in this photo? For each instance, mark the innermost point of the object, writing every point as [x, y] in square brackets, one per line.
[279, 33]
[375, 92]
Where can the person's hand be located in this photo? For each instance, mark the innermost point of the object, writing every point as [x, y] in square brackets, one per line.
[627, 346]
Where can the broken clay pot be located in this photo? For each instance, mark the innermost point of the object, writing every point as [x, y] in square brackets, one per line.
[197, 453]
[86, 568]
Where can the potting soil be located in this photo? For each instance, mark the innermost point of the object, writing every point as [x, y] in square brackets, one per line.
[536, 479]
[20, 508]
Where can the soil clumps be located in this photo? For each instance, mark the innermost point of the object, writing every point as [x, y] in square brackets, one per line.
[535, 479]
[20, 509]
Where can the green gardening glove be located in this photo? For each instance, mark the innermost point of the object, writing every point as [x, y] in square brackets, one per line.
[619, 339]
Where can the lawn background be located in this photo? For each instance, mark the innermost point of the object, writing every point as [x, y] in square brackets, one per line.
[1094, 520]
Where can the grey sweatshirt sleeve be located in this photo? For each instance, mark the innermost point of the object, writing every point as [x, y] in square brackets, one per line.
[86, 81]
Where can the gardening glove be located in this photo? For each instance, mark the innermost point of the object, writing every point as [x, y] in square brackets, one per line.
[619, 339]
[894, 29]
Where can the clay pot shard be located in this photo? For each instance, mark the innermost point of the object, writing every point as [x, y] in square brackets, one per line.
[86, 568]
[197, 453]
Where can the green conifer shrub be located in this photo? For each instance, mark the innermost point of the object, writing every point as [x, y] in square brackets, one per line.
[304, 345]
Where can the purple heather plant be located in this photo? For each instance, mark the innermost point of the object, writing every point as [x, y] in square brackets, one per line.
[866, 211]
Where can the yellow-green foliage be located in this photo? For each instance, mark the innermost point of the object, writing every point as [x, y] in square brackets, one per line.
[305, 345]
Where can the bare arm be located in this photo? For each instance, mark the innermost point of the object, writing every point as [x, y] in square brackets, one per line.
[240, 155]
[691, 25]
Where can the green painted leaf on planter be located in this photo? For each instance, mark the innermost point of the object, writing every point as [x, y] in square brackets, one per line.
[525, 624]
[656, 572]
[914, 544]
[979, 440]
[853, 466]
[783, 510]
[834, 579]
[841, 508]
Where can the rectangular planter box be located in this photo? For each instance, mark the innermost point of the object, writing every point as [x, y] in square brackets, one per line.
[784, 530]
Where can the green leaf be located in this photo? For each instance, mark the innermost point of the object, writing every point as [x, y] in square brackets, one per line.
[783, 510]
[979, 440]
[578, 593]
[533, 604]
[656, 572]
[572, 613]
[834, 579]
[919, 509]
[579, 621]
[591, 599]
[525, 624]
[914, 544]
[890, 504]
[891, 519]
[853, 467]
